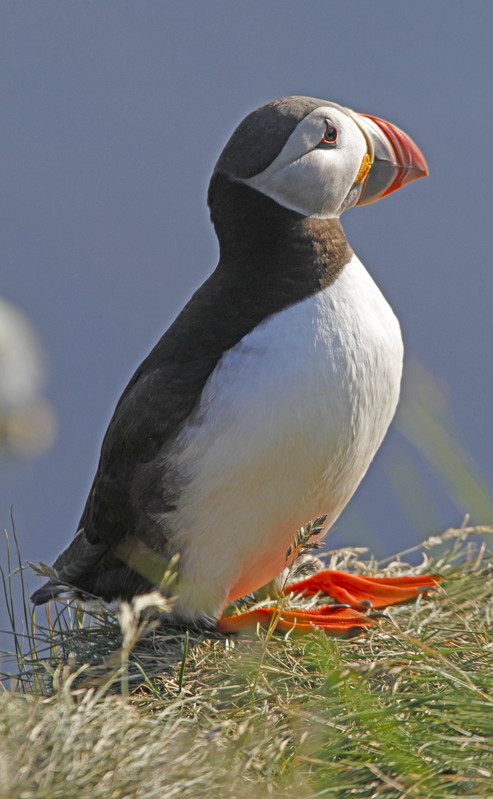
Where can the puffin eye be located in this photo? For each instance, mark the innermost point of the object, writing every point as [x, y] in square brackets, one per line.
[329, 137]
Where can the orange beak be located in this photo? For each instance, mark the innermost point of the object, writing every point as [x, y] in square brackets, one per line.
[396, 160]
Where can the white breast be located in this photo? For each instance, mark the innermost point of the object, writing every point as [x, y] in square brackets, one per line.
[287, 426]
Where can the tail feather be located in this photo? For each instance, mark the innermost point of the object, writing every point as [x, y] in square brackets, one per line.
[48, 591]
[87, 571]
[79, 558]
[72, 566]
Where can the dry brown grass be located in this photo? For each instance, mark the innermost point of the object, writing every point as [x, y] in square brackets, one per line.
[404, 710]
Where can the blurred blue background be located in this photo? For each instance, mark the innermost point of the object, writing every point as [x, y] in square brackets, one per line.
[113, 114]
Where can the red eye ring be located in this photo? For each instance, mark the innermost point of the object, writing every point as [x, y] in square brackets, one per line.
[330, 135]
[329, 139]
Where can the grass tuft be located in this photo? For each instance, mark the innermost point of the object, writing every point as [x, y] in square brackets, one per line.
[100, 706]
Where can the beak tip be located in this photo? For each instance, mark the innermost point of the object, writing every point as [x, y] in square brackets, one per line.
[420, 163]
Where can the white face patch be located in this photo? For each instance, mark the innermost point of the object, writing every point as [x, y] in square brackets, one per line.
[311, 180]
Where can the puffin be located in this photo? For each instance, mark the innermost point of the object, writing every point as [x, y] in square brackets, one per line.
[264, 403]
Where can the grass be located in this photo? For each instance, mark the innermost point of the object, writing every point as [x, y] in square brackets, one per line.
[102, 707]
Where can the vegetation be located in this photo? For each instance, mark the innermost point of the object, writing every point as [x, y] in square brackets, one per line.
[107, 707]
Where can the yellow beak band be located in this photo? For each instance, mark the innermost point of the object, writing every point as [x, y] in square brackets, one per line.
[369, 156]
[364, 168]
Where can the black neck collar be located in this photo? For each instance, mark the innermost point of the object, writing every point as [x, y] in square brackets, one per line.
[264, 235]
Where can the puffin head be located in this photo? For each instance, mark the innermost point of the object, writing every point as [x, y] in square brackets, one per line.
[319, 158]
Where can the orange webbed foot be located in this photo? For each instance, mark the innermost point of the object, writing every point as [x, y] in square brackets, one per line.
[361, 593]
[333, 619]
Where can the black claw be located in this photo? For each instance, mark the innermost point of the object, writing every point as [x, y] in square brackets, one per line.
[353, 631]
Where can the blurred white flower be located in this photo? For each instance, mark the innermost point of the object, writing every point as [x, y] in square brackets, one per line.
[27, 420]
